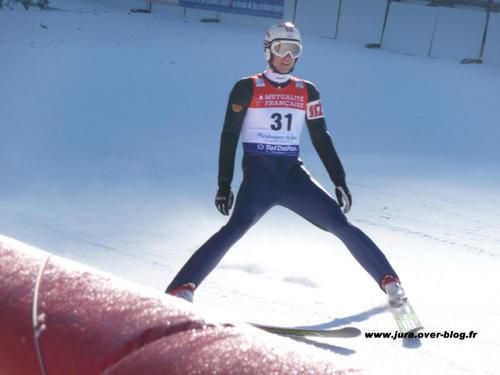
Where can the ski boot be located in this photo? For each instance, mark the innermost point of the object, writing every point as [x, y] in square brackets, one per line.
[185, 291]
[406, 318]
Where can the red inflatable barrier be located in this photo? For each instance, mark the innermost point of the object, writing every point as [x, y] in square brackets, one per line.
[60, 318]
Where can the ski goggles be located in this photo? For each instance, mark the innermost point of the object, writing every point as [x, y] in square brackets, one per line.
[282, 48]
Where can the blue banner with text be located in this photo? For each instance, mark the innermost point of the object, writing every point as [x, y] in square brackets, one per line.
[261, 8]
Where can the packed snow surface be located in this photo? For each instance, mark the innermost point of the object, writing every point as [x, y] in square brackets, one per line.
[109, 130]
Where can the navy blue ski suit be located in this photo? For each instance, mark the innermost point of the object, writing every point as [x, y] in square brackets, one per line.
[269, 180]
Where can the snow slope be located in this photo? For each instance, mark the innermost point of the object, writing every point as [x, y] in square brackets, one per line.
[109, 131]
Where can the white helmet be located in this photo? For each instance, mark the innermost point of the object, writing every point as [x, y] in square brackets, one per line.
[286, 31]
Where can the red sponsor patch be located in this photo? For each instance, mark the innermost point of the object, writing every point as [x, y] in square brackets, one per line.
[315, 110]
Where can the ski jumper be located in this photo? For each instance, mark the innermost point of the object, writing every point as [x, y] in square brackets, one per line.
[268, 117]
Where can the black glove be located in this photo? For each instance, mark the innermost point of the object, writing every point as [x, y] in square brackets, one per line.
[343, 197]
[224, 200]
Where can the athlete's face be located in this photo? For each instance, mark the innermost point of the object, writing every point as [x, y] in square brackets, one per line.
[283, 65]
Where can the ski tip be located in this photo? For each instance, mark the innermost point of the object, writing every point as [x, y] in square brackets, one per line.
[345, 332]
[353, 331]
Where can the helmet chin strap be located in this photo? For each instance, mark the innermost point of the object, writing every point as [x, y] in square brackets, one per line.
[273, 68]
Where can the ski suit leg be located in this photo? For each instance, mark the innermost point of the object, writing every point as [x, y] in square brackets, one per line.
[308, 199]
[254, 199]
